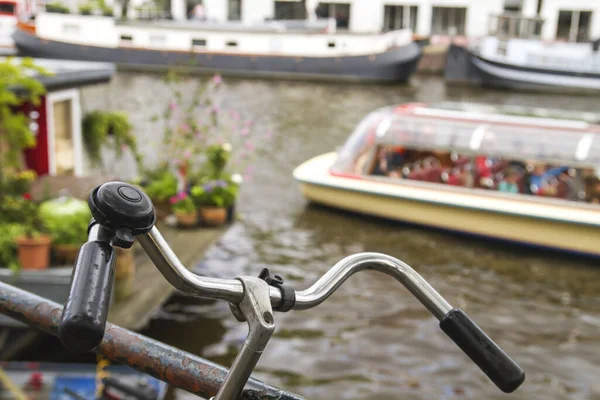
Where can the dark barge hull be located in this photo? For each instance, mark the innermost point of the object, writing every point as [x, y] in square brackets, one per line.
[395, 65]
[465, 67]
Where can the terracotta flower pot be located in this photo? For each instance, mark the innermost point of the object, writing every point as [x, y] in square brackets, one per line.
[34, 253]
[213, 216]
[187, 219]
[65, 254]
[162, 209]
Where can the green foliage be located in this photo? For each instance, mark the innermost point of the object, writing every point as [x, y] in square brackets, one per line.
[15, 209]
[66, 220]
[57, 7]
[182, 203]
[217, 157]
[8, 246]
[161, 185]
[86, 8]
[99, 126]
[107, 11]
[17, 183]
[17, 87]
[219, 193]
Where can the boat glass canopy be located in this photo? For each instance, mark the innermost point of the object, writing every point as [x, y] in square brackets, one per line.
[449, 128]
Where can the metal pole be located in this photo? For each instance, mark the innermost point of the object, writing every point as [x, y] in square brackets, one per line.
[178, 368]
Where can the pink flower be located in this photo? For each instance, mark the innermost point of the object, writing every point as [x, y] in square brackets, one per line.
[248, 123]
[124, 147]
[249, 170]
[185, 127]
[181, 196]
[172, 106]
[234, 115]
[199, 136]
[249, 145]
[173, 200]
[217, 80]
[215, 109]
[176, 161]
[245, 132]
[187, 154]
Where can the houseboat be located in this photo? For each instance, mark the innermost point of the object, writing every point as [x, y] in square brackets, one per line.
[510, 173]
[271, 49]
[514, 56]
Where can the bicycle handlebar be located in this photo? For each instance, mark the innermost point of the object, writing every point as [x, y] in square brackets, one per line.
[83, 307]
[84, 316]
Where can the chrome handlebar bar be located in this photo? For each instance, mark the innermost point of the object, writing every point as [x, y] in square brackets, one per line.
[231, 290]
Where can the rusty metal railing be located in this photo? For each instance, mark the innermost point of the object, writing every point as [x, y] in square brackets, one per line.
[178, 368]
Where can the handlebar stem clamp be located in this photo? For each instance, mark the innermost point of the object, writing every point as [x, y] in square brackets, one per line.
[288, 294]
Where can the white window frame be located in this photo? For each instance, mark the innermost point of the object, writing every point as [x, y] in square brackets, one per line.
[54, 97]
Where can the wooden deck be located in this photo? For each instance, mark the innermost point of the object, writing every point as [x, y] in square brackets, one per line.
[151, 289]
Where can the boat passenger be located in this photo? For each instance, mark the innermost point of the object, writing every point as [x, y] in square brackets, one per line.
[510, 183]
[535, 177]
[381, 167]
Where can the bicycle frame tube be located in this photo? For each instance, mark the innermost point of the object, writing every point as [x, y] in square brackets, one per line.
[180, 369]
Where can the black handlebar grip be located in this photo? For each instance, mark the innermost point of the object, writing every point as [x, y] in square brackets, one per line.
[83, 319]
[496, 364]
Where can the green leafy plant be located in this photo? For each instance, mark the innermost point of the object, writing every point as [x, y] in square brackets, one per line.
[57, 7]
[219, 193]
[99, 126]
[86, 9]
[107, 11]
[17, 87]
[66, 220]
[182, 203]
[8, 247]
[160, 186]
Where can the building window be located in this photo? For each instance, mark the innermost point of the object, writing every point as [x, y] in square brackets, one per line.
[290, 10]
[399, 17]
[574, 26]
[339, 11]
[235, 10]
[448, 21]
[513, 6]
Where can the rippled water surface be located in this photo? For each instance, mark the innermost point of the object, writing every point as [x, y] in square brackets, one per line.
[372, 339]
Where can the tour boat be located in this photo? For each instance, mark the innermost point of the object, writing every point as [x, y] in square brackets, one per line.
[272, 49]
[513, 56]
[516, 174]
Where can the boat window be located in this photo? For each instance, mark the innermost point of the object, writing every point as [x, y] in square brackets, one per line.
[331, 44]
[7, 8]
[127, 38]
[484, 172]
[231, 43]
[199, 42]
[352, 157]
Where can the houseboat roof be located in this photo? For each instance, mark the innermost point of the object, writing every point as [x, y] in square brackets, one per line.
[519, 133]
[69, 74]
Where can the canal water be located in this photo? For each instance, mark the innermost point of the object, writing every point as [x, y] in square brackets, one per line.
[372, 339]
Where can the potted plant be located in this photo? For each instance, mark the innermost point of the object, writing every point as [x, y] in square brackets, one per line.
[8, 246]
[33, 248]
[213, 199]
[160, 186]
[86, 9]
[66, 219]
[184, 209]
